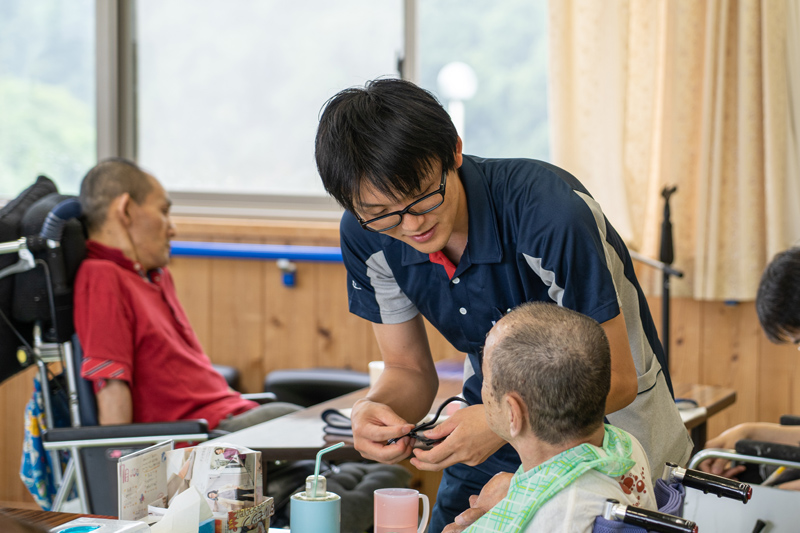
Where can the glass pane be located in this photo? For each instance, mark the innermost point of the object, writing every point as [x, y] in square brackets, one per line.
[505, 45]
[47, 93]
[229, 93]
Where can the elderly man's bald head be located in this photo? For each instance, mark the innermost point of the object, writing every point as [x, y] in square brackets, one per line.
[558, 361]
[105, 182]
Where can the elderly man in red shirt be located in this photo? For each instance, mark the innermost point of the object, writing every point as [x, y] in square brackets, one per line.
[140, 351]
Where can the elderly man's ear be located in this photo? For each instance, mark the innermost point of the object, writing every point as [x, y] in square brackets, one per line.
[121, 207]
[517, 413]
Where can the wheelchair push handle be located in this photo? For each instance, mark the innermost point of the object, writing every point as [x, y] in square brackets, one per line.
[703, 481]
[722, 487]
[647, 519]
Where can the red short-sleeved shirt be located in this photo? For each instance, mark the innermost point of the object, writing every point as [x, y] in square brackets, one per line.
[136, 330]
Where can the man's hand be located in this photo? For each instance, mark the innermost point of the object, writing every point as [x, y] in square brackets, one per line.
[374, 424]
[491, 494]
[726, 440]
[469, 441]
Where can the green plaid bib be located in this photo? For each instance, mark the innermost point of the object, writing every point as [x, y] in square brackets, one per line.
[530, 490]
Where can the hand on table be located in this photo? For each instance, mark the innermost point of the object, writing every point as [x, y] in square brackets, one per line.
[469, 441]
[373, 425]
[491, 494]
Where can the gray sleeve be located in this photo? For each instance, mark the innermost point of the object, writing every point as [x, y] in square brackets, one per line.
[395, 307]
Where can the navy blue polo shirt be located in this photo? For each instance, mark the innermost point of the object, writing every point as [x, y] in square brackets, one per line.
[535, 234]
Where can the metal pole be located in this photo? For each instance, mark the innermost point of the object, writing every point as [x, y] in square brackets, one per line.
[665, 316]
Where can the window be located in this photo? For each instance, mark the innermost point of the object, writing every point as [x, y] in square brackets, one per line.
[47, 93]
[226, 95]
[229, 93]
[502, 49]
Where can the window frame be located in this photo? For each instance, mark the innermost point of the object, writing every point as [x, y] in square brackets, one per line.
[117, 118]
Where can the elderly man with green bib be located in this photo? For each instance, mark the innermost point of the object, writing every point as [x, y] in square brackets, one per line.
[547, 373]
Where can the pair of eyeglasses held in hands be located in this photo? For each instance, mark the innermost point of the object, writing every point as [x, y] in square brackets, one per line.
[415, 433]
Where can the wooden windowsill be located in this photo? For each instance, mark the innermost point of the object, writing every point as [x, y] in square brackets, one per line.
[257, 230]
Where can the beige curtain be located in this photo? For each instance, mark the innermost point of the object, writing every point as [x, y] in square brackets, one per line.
[698, 94]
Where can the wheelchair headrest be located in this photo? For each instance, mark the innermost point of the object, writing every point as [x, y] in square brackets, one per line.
[44, 294]
[55, 217]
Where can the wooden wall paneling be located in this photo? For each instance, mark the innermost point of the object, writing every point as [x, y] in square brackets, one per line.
[14, 395]
[686, 325]
[290, 326]
[341, 340]
[237, 318]
[730, 351]
[317, 233]
[193, 285]
[685, 333]
[778, 380]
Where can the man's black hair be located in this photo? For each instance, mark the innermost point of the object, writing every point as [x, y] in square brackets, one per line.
[387, 136]
[778, 297]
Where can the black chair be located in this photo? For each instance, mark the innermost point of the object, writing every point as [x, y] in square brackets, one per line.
[310, 386]
[230, 374]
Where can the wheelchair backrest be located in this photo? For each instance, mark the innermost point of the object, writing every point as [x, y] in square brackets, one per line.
[10, 229]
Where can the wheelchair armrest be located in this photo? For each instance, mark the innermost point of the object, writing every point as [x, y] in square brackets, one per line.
[123, 434]
[790, 420]
[261, 397]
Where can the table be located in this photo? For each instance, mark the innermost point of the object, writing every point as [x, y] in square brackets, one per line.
[45, 519]
[300, 435]
[714, 399]
[48, 519]
[710, 399]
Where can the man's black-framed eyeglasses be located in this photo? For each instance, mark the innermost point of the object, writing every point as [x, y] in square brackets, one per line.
[426, 204]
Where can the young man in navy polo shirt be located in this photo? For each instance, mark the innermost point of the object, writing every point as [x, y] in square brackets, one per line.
[460, 240]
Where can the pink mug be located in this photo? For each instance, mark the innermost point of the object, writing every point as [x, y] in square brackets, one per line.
[397, 511]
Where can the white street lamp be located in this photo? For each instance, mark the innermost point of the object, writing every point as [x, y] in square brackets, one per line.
[457, 83]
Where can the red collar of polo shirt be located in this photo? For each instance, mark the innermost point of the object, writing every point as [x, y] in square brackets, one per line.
[96, 250]
[440, 259]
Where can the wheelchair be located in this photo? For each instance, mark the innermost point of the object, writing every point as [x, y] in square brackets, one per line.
[670, 494]
[36, 328]
[773, 509]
